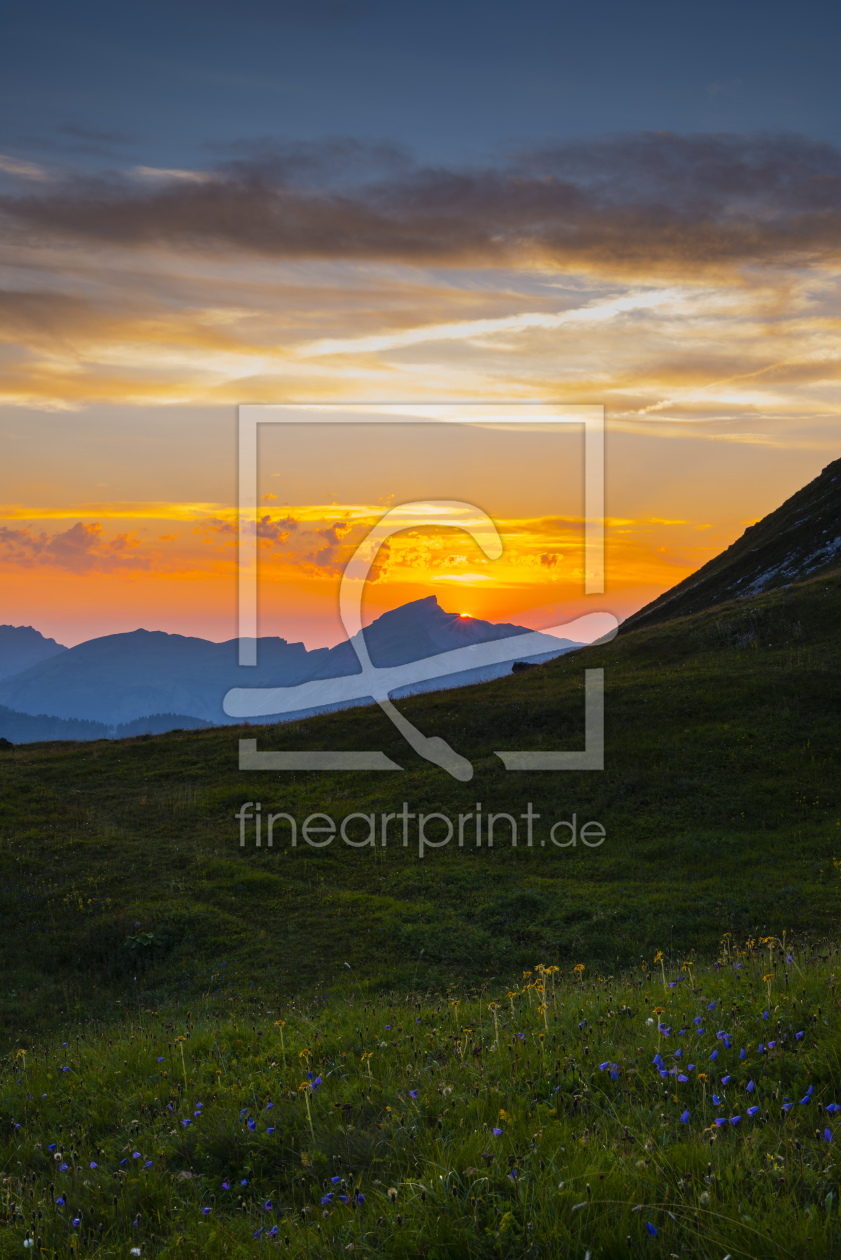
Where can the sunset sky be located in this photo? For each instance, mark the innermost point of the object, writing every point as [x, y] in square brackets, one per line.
[206, 203]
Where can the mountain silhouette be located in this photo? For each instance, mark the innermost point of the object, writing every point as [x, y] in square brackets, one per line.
[21, 647]
[800, 539]
[122, 678]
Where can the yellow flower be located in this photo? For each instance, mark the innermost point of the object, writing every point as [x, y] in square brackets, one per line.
[658, 955]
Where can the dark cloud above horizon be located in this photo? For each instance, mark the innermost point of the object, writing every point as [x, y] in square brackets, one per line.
[655, 202]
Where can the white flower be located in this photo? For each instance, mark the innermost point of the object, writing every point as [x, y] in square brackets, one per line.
[649, 1021]
[27, 1242]
[135, 1251]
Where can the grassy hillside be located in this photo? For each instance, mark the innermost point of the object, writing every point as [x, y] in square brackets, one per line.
[799, 540]
[687, 1110]
[720, 802]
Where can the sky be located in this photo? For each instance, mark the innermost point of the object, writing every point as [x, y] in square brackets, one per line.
[205, 204]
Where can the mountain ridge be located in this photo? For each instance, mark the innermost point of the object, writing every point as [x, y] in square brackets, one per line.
[798, 540]
[122, 678]
[22, 647]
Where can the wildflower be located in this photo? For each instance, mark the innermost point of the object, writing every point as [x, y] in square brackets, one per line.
[273, 1232]
[244, 1182]
[186, 1123]
[258, 1232]
[720, 1120]
[752, 1111]
[388, 1027]
[702, 1076]
[270, 1129]
[683, 1079]
[267, 1205]
[827, 1135]
[93, 1165]
[714, 1055]
[51, 1147]
[160, 1058]
[335, 1180]
[63, 1167]
[136, 1155]
[226, 1185]
[742, 1054]
[61, 1201]
[760, 1049]
[725, 1080]
[751, 1087]
[797, 1036]
[832, 1108]
[316, 1082]
[269, 1106]
[252, 1125]
[75, 1222]
[413, 1093]
[205, 1211]
[604, 1065]
[685, 1118]
[326, 1198]
[650, 1229]
[735, 1119]
[497, 1132]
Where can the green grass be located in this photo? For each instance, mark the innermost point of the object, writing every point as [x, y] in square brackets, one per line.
[130, 916]
[721, 801]
[405, 1124]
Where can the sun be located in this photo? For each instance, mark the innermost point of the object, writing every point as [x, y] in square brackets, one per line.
[464, 614]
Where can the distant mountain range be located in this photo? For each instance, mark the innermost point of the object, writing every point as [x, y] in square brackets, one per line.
[21, 646]
[124, 684]
[799, 540]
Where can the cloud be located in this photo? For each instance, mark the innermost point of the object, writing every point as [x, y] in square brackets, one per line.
[80, 549]
[654, 202]
[26, 170]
